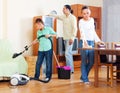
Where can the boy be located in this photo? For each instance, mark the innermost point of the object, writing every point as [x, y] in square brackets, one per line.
[45, 49]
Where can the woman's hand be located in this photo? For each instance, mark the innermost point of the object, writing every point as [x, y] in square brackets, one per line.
[85, 45]
[100, 43]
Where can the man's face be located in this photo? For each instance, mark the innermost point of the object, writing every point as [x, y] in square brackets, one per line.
[65, 10]
[39, 26]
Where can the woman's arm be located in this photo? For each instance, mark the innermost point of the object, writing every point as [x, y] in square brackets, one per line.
[82, 35]
[97, 39]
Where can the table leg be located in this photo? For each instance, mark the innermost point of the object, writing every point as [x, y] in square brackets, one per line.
[118, 73]
[96, 69]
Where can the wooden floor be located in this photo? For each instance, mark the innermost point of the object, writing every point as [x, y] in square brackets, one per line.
[62, 86]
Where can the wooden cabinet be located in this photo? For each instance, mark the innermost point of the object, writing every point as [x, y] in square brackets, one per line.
[35, 47]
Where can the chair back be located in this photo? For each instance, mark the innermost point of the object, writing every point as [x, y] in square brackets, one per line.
[115, 45]
[102, 46]
[103, 58]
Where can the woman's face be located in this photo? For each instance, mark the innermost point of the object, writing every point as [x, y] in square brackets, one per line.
[39, 26]
[86, 13]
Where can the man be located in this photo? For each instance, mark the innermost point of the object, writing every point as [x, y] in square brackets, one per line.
[69, 33]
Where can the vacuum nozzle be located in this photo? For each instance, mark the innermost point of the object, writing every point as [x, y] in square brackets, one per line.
[16, 55]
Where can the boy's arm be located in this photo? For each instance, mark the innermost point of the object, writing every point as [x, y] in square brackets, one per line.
[34, 42]
[52, 33]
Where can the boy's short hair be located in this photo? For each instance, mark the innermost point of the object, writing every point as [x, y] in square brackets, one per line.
[39, 20]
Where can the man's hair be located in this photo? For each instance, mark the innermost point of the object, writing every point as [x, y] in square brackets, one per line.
[68, 7]
[39, 20]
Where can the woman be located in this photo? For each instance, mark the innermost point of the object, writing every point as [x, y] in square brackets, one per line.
[88, 38]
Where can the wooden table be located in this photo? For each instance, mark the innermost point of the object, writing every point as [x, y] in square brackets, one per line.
[99, 52]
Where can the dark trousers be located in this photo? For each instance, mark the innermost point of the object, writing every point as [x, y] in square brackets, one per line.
[48, 58]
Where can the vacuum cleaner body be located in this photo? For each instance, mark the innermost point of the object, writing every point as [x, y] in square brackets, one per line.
[19, 79]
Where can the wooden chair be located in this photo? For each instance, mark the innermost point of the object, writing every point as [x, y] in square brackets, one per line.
[116, 59]
[104, 61]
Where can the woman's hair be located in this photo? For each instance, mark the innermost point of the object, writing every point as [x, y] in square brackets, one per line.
[84, 7]
[69, 8]
[39, 20]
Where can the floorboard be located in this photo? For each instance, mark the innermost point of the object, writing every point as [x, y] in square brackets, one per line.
[62, 86]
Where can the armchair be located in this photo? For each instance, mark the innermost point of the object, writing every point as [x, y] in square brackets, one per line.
[8, 65]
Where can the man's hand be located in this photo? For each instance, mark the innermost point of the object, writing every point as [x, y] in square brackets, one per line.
[70, 41]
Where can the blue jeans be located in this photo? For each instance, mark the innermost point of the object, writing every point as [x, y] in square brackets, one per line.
[69, 55]
[48, 58]
[87, 61]
[44, 67]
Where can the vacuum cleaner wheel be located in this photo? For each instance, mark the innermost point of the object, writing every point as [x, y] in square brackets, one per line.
[14, 81]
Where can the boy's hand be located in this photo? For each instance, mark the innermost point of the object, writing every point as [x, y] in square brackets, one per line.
[47, 36]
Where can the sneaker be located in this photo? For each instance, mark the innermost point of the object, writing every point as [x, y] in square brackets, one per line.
[87, 83]
[46, 79]
[81, 81]
[43, 76]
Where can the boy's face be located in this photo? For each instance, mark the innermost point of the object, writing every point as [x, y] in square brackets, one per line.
[39, 26]
[86, 14]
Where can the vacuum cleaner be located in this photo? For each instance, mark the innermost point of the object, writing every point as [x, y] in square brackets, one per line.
[19, 79]
[22, 79]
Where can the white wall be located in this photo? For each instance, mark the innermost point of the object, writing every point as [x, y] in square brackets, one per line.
[91, 2]
[111, 20]
[0, 18]
[18, 17]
